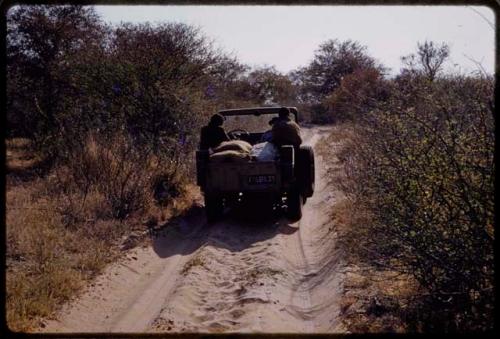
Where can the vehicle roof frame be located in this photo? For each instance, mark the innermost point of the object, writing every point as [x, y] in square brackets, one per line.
[257, 111]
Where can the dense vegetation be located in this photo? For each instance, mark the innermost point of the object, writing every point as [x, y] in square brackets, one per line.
[112, 114]
[422, 165]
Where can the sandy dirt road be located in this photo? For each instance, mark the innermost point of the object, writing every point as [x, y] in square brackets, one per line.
[241, 274]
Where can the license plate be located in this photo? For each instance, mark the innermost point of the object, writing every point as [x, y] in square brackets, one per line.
[261, 179]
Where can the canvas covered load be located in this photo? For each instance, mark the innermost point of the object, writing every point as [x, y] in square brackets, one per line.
[264, 151]
[230, 156]
[232, 151]
[242, 151]
[234, 145]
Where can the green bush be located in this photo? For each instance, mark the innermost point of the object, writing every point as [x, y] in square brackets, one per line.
[423, 166]
[359, 93]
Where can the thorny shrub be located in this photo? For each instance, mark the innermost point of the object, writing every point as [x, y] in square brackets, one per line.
[123, 177]
[63, 228]
[422, 165]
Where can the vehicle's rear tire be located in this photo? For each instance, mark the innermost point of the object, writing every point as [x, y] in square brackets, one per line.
[201, 167]
[305, 170]
[287, 163]
[295, 202]
[214, 206]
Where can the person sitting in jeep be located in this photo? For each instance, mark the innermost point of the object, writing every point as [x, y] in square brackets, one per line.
[285, 130]
[268, 135]
[213, 134]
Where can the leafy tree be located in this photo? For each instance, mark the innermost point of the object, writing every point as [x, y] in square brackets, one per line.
[156, 78]
[39, 41]
[358, 94]
[270, 87]
[331, 63]
[224, 84]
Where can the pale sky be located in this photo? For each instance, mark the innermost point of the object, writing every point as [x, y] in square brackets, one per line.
[287, 36]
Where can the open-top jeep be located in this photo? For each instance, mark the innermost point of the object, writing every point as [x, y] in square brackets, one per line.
[288, 180]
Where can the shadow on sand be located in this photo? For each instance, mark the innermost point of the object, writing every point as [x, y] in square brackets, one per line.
[237, 230]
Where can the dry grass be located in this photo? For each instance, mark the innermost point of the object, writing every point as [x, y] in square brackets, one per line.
[19, 158]
[46, 262]
[60, 236]
[375, 300]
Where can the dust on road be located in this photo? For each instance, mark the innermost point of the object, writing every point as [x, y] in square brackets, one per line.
[238, 275]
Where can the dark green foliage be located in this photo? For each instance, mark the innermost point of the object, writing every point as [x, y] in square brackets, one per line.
[70, 75]
[333, 61]
[270, 87]
[39, 41]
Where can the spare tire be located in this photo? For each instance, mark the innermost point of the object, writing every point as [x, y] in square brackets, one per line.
[305, 170]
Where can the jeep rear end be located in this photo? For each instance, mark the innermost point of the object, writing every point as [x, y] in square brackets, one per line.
[289, 178]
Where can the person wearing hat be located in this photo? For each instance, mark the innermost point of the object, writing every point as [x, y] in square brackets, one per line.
[268, 135]
[213, 134]
[285, 130]
[284, 114]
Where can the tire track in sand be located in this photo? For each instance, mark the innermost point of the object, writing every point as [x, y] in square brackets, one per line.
[263, 275]
[306, 254]
[130, 293]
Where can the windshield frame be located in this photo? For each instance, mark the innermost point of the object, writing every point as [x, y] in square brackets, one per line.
[257, 111]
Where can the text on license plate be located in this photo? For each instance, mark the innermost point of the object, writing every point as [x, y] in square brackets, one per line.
[261, 179]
